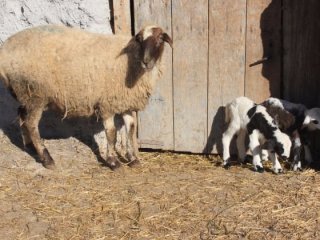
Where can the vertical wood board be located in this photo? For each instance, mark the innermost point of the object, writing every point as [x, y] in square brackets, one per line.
[156, 121]
[263, 39]
[122, 17]
[190, 66]
[301, 28]
[227, 28]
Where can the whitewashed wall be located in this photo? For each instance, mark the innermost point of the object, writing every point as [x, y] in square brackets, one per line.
[15, 15]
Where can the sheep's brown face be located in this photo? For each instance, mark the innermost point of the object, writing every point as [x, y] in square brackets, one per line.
[151, 40]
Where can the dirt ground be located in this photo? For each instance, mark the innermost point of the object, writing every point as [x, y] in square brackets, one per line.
[170, 196]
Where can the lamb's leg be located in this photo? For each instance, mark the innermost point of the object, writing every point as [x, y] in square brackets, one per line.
[297, 147]
[110, 129]
[241, 145]
[254, 146]
[30, 127]
[276, 166]
[131, 151]
[264, 155]
[226, 140]
[307, 155]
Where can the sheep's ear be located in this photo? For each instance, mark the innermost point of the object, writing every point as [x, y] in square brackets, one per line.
[139, 37]
[167, 39]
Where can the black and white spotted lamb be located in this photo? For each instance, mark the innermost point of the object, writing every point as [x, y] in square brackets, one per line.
[305, 119]
[245, 117]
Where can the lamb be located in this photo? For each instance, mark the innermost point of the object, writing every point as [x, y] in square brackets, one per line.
[79, 73]
[305, 119]
[244, 116]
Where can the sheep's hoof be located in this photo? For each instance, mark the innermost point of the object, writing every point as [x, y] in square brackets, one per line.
[259, 169]
[47, 160]
[113, 163]
[134, 163]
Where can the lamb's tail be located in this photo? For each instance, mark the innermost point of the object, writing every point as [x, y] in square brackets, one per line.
[227, 113]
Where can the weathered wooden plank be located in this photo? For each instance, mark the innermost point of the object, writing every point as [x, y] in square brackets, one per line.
[156, 121]
[122, 17]
[190, 72]
[263, 40]
[227, 29]
[302, 51]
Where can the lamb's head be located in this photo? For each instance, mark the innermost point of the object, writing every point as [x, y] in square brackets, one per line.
[312, 119]
[151, 40]
[280, 144]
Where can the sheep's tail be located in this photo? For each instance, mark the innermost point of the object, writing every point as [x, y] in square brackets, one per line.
[3, 77]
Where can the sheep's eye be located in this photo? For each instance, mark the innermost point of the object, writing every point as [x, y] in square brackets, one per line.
[315, 121]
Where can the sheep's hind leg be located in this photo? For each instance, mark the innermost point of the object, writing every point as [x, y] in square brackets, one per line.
[22, 113]
[110, 129]
[131, 151]
[30, 131]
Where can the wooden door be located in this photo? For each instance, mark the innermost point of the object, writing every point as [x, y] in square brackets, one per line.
[218, 45]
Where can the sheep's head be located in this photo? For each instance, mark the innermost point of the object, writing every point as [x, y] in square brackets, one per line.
[151, 40]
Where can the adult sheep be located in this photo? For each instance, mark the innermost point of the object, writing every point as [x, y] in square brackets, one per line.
[79, 73]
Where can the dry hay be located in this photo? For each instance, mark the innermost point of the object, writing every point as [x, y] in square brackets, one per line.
[171, 196]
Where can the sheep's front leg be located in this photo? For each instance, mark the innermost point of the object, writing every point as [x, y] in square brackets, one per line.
[131, 153]
[30, 129]
[254, 146]
[110, 129]
[276, 166]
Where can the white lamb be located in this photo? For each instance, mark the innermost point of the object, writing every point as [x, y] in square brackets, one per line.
[244, 116]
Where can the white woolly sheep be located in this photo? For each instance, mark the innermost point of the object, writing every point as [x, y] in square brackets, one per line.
[79, 73]
[244, 116]
[304, 119]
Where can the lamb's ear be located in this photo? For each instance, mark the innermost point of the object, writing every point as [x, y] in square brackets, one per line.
[167, 39]
[306, 121]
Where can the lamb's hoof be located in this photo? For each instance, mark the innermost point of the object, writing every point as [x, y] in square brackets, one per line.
[296, 167]
[113, 163]
[247, 159]
[259, 169]
[47, 160]
[277, 171]
[226, 165]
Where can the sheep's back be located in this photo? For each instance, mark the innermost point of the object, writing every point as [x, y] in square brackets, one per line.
[68, 66]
